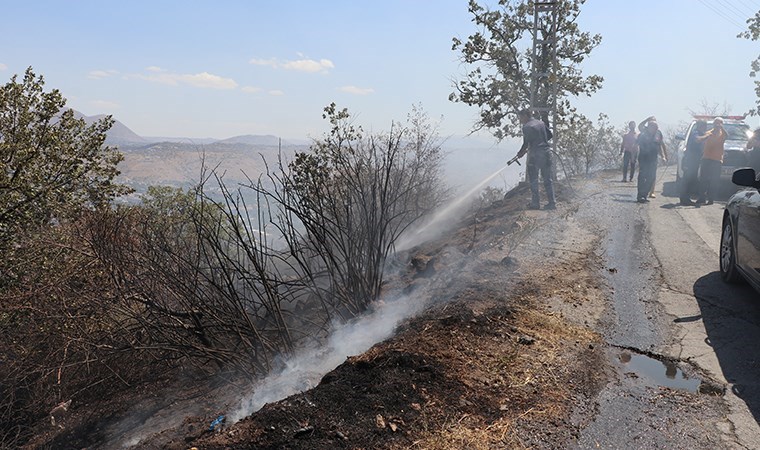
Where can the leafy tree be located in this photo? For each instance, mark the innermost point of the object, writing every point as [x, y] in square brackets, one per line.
[587, 146]
[51, 163]
[500, 84]
[753, 33]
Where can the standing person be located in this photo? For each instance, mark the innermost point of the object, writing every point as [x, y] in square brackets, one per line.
[629, 149]
[536, 135]
[650, 147]
[712, 160]
[753, 155]
[695, 145]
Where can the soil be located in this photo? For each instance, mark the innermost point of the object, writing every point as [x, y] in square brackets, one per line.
[504, 356]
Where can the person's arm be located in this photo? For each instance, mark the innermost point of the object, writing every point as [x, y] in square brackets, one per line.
[622, 145]
[523, 149]
[752, 142]
[643, 124]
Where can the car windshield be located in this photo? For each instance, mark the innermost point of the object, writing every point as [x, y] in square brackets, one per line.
[737, 131]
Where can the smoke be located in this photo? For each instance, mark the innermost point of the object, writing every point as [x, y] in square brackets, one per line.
[309, 365]
[305, 369]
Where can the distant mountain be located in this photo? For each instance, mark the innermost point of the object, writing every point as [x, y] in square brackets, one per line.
[251, 139]
[118, 135]
[195, 141]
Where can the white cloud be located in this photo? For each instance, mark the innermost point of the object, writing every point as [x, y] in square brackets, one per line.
[356, 90]
[309, 65]
[276, 92]
[207, 80]
[264, 62]
[100, 74]
[3, 66]
[300, 65]
[250, 89]
[104, 105]
[201, 80]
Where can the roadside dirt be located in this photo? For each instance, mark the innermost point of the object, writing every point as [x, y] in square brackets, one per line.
[504, 356]
[494, 362]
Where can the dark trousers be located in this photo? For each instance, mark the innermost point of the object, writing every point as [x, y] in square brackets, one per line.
[690, 180]
[540, 161]
[709, 175]
[647, 175]
[629, 160]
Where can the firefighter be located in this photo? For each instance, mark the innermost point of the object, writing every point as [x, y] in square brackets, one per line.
[536, 136]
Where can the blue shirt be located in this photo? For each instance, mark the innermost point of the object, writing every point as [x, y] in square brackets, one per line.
[536, 135]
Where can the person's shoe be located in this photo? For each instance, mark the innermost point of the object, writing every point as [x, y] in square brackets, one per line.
[652, 195]
[642, 200]
[534, 206]
[630, 179]
[687, 202]
[623, 179]
[550, 206]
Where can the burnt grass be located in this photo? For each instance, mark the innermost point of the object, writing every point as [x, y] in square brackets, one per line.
[486, 365]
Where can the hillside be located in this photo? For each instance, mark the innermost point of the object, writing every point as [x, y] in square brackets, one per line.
[486, 363]
[179, 164]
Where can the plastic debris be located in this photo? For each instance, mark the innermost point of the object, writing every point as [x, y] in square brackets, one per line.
[218, 421]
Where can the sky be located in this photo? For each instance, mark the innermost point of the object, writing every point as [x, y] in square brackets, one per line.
[217, 69]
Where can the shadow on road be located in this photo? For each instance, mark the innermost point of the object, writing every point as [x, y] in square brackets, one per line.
[731, 316]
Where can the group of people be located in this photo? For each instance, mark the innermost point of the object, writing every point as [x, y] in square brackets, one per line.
[646, 147]
[701, 162]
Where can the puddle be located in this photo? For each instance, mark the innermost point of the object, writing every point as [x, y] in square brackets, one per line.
[661, 373]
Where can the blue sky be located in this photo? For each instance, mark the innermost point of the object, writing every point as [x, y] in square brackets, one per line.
[223, 68]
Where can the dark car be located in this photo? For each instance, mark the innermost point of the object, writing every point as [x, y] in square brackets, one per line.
[740, 238]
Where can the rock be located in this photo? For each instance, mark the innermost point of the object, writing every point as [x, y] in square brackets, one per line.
[526, 340]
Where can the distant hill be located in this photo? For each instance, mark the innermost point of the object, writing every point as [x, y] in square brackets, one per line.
[118, 135]
[180, 163]
[196, 141]
[251, 139]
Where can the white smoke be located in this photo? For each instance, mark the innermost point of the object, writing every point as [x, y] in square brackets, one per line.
[308, 366]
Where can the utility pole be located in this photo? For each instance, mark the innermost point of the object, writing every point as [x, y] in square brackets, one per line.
[543, 87]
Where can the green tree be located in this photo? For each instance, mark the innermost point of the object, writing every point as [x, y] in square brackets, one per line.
[753, 33]
[587, 146]
[51, 163]
[500, 82]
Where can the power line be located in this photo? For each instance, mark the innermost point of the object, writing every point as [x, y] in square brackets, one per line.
[749, 7]
[733, 11]
[721, 14]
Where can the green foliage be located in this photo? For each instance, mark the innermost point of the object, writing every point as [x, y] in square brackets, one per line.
[500, 83]
[753, 33]
[585, 146]
[51, 163]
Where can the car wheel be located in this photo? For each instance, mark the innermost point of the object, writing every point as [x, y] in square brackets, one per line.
[728, 270]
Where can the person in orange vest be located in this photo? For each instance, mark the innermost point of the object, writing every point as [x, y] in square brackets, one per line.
[712, 160]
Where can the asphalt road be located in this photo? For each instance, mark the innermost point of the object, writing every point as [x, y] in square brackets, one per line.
[676, 333]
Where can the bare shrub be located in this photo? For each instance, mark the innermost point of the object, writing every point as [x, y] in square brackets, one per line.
[244, 278]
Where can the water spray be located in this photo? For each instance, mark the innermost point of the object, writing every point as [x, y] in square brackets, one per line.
[419, 235]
